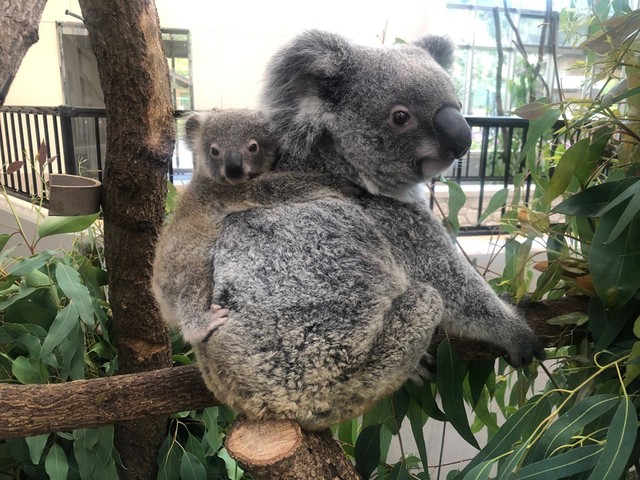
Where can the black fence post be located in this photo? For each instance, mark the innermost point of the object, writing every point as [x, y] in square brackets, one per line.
[66, 131]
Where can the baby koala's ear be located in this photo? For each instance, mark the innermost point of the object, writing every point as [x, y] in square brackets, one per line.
[193, 125]
[440, 48]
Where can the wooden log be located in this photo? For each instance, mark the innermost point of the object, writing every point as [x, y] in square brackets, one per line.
[280, 450]
[27, 410]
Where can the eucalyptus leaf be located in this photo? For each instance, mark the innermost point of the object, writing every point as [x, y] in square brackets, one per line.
[508, 465]
[4, 238]
[30, 264]
[456, 201]
[191, 468]
[169, 460]
[498, 200]
[29, 370]
[36, 446]
[620, 440]
[56, 464]
[593, 200]
[62, 325]
[479, 472]
[417, 420]
[565, 169]
[572, 462]
[367, 451]
[71, 285]
[399, 472]
[449, 378]
[194, 447]
[615, 265]
[515, 427]
[58, 225]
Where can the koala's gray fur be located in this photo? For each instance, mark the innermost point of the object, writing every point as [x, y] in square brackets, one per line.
[333, 302]
[230, 149]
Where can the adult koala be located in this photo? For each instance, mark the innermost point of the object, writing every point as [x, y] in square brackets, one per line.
[333, 302]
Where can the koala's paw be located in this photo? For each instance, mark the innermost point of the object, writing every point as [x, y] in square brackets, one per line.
[219, 317]
[523, 348]
[425, 371]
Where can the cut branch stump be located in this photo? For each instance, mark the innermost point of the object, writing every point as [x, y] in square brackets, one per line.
[281, 450]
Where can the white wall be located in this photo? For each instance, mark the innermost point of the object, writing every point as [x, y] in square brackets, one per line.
[232, 41]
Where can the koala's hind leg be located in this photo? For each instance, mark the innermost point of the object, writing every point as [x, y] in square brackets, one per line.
[408, 327]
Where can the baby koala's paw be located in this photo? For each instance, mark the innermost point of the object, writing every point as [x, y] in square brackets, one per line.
[219, 317]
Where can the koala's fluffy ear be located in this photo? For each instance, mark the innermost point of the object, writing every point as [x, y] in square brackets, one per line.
[192, 128]
[440, 48]
[314, 63]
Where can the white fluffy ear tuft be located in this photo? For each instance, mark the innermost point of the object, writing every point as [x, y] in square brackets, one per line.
[440, 48]
[193, 125]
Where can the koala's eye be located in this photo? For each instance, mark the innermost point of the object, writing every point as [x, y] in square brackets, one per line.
[400, 118]
[215, 150]
[253, 147]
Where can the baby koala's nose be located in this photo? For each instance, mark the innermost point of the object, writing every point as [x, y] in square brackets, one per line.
[233, 163]
[455, 134]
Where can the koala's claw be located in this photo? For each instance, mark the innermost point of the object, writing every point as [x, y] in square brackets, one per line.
[220, 317]
[529, 349]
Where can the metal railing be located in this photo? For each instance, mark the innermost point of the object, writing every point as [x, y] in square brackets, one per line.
[76, 137]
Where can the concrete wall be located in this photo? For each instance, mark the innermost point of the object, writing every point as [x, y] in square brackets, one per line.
[232, 41]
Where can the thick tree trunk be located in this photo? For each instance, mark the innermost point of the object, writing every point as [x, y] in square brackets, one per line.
[126, 40]
[19, 21]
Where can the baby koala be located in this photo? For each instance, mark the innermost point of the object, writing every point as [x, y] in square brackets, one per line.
[232, 150]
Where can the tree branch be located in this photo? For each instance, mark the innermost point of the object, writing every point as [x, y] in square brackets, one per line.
[27, 410]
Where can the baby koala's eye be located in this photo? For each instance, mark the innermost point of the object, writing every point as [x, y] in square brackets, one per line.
[253, 147]
[215, 151]
[401, 118]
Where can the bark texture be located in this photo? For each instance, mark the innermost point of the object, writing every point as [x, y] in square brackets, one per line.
[280, 450]
[27, 410]
[126, 40]
[19, 21]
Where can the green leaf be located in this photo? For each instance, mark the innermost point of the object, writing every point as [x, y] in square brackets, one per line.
[400, 405]
[30, 264]
[16, 297]
[517, 425]
[537, 128]
[58, 225]
[456, 201]
[562, 466]
[571, 422]
[533, 110]
[630, 212]
[62, 325]
[36, 447]
[615, 265]
[169, 460]
[590, 202]
[71, 285]
[191, 468]
[423, 396]
[417, 420]
[565, 169]
[479, 472]
[449, 378]
[56, 464]
[4, 238]
[29, 370]
[498, 201]
[398, 472]
[367, 451]
[505, 471]
[194, 447]
[636, 327]
[620, 440]
[479, 373]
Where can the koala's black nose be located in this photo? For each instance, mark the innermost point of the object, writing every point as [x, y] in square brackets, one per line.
[233, 163]
[453, 129]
